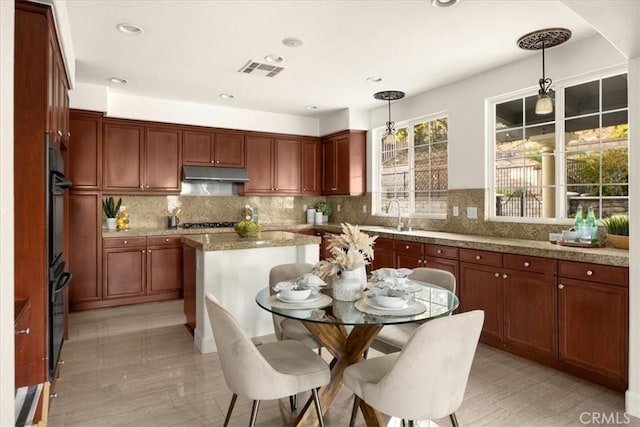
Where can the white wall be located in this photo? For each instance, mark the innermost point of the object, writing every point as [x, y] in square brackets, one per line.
[6, 214]
[464, 101]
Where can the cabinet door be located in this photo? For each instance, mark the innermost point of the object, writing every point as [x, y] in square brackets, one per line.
[122, 157]
[383, 254]
[593, 326]
[343, 166]
[404, 260]
[85, 151]
[163, 159]
[530, 311]
[481, 288]
[449, 265]
[329, 167]
[165, 270]
[197, 148]
[189, 284]
[287, 166]
[123, 272]
[259, 160]
[311, 163]
[85, 241]
[229, 150]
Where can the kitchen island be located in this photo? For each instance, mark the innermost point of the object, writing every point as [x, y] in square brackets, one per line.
[234, 269]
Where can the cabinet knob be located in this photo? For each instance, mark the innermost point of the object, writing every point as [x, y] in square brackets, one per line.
[424, 261]
[478, 257]
[505, 276]
[526, 264]
[146, 186]
[143, 251]
[68, 134]
[560, 286]
[212, 161]
[59, 132]
[53, 395]
[166, 240]
[439, 251]
[148, 251]
[419, 261]
[406, 247]
[23, 332]
[141, 187]
[217, 161]
[589, 273]
[124, 242]
[61, 362]
[497, 274]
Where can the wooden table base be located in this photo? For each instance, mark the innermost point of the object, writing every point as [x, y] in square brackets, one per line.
[346, 349]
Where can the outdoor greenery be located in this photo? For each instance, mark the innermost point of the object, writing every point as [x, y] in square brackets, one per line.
[615, 170]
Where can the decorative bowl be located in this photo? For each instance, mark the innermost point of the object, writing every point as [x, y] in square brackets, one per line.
[295, 294]
[391, 302]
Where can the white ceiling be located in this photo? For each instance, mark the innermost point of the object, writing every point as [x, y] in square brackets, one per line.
[192, 50]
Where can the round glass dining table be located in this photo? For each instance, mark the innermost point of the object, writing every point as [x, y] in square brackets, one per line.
[346, 330]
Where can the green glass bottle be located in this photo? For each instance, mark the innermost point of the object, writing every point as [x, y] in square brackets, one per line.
[592, 225]
[577, 223]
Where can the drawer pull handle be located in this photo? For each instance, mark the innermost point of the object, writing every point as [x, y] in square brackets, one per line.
[478, 257]
[589, 273]
[560, 286]
[497, 274]
[439, 251]
[23, 332]
[526, 264]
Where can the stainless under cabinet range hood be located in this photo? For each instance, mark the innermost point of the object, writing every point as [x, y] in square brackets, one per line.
[212, 173]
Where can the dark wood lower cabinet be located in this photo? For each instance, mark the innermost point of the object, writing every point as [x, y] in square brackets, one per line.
[124, 272]
[481, 288]
[189, 282]
[164, 265]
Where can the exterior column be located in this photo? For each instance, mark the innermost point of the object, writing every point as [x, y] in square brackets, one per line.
[548, 170]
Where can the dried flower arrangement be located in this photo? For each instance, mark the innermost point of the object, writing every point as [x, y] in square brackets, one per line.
[350, 250]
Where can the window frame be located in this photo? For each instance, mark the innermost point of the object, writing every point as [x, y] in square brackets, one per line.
[376, 157]
[559, 119]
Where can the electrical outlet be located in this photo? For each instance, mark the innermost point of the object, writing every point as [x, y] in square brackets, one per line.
[364, 208]
[472, 212]
[456, 211]
[338, 208]
[304, 208]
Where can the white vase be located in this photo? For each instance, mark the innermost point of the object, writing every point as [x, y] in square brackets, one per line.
[349, 286]
[111, 223]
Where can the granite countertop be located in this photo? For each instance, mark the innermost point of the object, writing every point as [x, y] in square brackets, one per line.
[607, 256]
[264, 239]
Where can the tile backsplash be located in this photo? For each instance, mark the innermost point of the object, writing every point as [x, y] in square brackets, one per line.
[152, 211]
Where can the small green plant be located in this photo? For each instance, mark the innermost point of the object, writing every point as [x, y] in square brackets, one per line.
[325, 208]
[246, 228]
[110, 207]
[617, 224]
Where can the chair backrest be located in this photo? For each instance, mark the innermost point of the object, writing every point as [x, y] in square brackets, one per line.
[281, 273]
[245, 370]
[429, 377]
[442, 278]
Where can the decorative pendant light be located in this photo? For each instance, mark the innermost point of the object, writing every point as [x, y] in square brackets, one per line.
[544, 39]
[389, 137]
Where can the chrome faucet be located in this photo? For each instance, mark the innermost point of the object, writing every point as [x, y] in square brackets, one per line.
[400, 223]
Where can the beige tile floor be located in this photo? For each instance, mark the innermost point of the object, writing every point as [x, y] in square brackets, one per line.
[137, 366]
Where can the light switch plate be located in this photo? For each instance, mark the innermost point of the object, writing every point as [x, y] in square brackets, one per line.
[472, 212]
[339, 207]
[364, 208]
[304, 208]
[456, 211]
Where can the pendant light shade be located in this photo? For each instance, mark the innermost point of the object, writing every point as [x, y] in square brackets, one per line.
[541, 40]
[389, 138]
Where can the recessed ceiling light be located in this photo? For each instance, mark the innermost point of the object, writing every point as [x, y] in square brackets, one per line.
[374, 79]
[443, 3]
[118, 80]
[276, 59]
[292, 42]
[130, 29]
[311, 107]
[227, 96]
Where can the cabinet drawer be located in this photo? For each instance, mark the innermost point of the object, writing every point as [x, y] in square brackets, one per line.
[405, 247]
[441, 251]
[594, 272]
[164, 240]
[117, 242]
[481, 257]
[530, 263]
[383, 243]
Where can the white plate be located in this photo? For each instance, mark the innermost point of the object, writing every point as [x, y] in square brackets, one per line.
[377, 306]
[311, 298]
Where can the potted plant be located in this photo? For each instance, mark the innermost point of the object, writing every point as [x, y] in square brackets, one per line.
[617, 231]
[326, 210]
[111, 209]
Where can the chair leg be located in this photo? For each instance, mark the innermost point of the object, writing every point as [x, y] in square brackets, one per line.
[404, 423]
[454, 420]
[254, 413]
[293, 402]
[354, 411]
[231, 405]
[319, 351]
[365, 354]
[410, 423]
[316, 401]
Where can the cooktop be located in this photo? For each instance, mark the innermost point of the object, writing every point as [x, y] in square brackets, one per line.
[217, 224]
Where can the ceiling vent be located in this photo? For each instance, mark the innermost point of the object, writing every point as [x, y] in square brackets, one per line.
[257, 68]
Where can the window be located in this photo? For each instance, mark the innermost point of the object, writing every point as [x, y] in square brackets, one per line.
[413, 172]
[547, 165]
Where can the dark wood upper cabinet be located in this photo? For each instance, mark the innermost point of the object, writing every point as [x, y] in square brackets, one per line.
[163, 158]
[224, 149]
[259, 162]
[287, 166]
[122, 159]
[85, 153]
[311, 167]
[344, 163]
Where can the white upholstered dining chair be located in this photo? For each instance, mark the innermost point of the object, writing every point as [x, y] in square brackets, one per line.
[393, 337]
[427, 379]
[269, 371]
